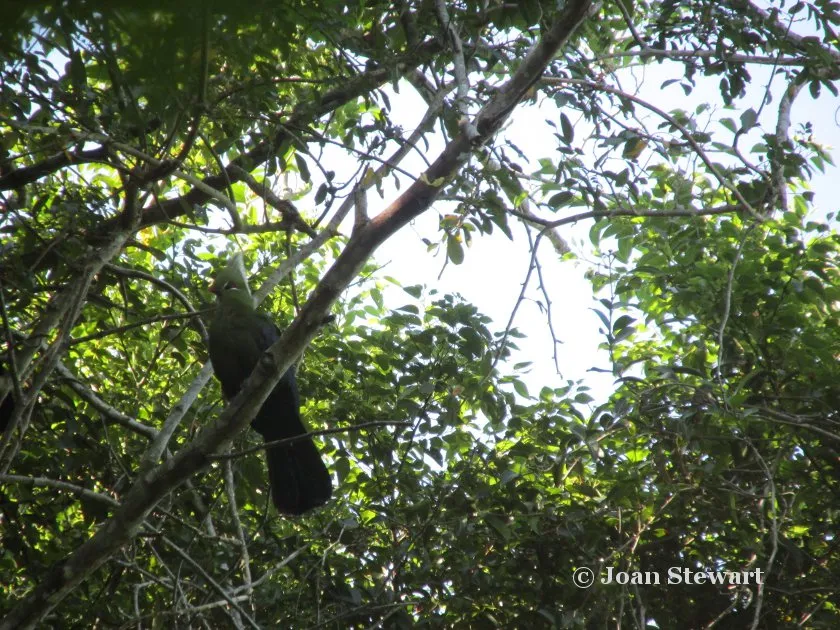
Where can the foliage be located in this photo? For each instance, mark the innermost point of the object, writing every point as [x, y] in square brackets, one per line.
[136, 141]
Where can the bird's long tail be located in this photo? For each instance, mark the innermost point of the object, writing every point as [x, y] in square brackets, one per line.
[299, 479]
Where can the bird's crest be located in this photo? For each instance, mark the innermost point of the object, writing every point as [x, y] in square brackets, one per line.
[233, 280]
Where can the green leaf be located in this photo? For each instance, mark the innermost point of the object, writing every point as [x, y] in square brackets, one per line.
[561, 199]
[622, 322]
[636, 455]
[603, 317]
[749, 118]
[454, 250]
[567, 129]
[303, 168]
[520, 388]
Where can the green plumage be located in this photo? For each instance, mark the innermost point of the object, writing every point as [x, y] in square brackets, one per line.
[238, 337]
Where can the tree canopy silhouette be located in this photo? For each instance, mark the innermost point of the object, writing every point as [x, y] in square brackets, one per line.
[142, 144]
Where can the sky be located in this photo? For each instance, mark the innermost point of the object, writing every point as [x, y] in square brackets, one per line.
[494, 267]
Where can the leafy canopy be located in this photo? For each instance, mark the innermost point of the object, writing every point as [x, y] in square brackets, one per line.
[140, 146]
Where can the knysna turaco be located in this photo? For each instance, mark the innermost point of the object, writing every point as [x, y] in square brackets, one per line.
[238, 337]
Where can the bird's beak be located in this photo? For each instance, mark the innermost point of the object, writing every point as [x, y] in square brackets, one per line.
[213, 288]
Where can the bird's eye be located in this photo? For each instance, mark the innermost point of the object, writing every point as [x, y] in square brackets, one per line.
[230, 286]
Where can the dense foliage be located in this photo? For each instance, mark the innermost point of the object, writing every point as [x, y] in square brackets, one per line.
[141, 145]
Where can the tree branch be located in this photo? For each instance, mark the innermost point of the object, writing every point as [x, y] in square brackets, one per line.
[62, 310]
[213, 583]
[304, 112]
[306, 436]
[673, 122]
[23, 176]
[138, 324]
[290, 214]
[150, 487]
[101, 406]
[77, 491]
[183, 299]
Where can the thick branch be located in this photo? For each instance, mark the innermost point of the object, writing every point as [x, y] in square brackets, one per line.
[58, 310]
[157, 483]
[302, 116]
[27, 175]
[458, 63]
[777, 169]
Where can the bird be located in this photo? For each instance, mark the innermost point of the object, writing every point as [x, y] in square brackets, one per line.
[237, 337]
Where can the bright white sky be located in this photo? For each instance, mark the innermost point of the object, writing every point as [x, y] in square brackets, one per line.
[494, 267]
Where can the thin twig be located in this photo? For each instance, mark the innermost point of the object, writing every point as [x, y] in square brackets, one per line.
[774, 529]
[136, 273]
[621, 212]
[213, 583]
[101, 406]
[519, 300]
[44, 482]
[727, 306]
[286, 208]
[230, 490]
[548, 314]
[309, 435]
[138, 324]
[686, 134]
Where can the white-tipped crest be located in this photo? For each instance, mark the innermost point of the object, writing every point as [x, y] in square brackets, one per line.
[233, 276]
[237, 268]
